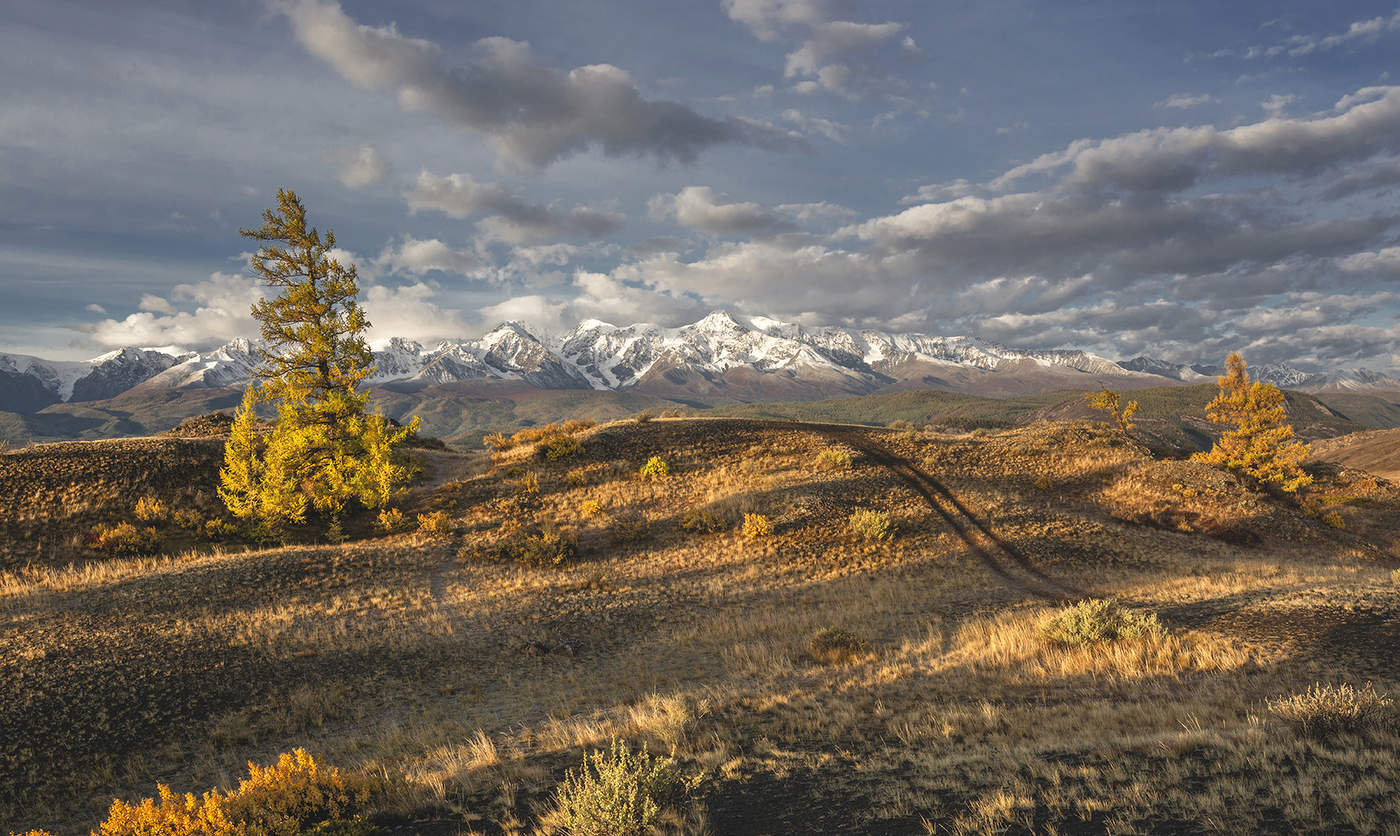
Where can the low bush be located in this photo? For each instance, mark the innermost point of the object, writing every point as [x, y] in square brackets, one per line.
[217, 529]
[834, 458]
[1044, 483]
[703, 521]
[1334, 519]
[433, 523]
[589, 509]
[150, 509]
[560, 446]
[835, 646]
[655, 468]
[187, 519]
[900, 424]
[755, 526]
[1097, 620]
[644, 416]
[124, 539]
[390, 519]
[541, 548]
[871, 525]
[1326, 710]
[629, 526]
[616, 793]
[296, 795]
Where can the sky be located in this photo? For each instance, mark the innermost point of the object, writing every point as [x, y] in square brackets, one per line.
[1178, 180]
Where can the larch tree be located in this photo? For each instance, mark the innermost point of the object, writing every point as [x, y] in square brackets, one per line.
[1107, 400]
[1261, 445]
[325, 450]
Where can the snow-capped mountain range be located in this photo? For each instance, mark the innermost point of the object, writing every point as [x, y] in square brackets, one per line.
[747, 358]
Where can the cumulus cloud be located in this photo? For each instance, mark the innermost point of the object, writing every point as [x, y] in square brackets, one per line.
[508, 216]
[414, 256]
[834, 131]
[357, 167]
[411, 311]
[699, 208]
[194, 316]
[531, 113]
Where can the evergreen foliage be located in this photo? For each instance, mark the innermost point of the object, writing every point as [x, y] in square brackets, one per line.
[324, 451]
[1260, 446]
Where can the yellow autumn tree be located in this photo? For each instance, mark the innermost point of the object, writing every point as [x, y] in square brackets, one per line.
[1106, 400]
[1261, 445]
[324, 451]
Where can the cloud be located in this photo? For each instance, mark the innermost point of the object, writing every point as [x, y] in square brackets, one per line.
[1182, 101]
[699, 208]
[1362, 125]
[357, 167]
[768, 19]
[414, 257]
[410, 311]
[1360, 31]
[95, 308]
[194, 316]
[826, 41]
[834, 131]
[1277, 103]
[508, 216]
[530, 113]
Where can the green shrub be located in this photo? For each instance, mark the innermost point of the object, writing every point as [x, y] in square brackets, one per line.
[871, 525]
[150, 509]
[1326, 710]
[124, 539]
[1097, 620]
[834, 458]
[560, 446]
[703, 521]
[655, 468]
[616, 793]
[835, 646]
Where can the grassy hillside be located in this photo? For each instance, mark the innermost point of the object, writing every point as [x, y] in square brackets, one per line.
[1374, 451]
[928, 406]
[811, 678]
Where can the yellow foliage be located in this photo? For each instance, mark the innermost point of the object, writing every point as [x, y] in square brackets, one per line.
[1260, 445]
[390, 519]
[655, 468]
[1106, 400]
[124, 539]
[756, 525]
[296, 795]
[151, 509]
[589, 508]
[433, 523]
[871, 525]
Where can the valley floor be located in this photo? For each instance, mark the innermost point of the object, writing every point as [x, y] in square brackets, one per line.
[480, 680]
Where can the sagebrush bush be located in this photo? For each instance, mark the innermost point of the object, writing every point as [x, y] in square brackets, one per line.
[834, 458]
[297, 795]
[629, 526]
[836, 646]
[616, 793]
[1334, 519]
[560, 446]
[871, 525]
[390, 519]
[433, 523]
[703, 521]
[124, 539]
[655, 468]
[540, 548]
[1325, 710]
[1097, 620]
[755, 526]
[644, 416]
[150, 509]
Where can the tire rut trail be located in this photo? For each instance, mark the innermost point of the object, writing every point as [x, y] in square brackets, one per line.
[1001, 558]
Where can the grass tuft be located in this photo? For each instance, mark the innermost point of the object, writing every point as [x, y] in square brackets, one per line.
[1327, 710]
[616, 793]
[871, 525]
[1095, 621]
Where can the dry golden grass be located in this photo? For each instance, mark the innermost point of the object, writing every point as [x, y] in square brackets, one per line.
[478, 682]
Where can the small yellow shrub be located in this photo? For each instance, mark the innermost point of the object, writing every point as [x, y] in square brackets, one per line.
[871, 525]
[756, 525]
[297, 795]
[1325, 710]
[497, 442]
[561, 446]
[217, 529]
[1044, 483]
[644, 416]
[433, 523]
[834, 458]
[576, 478]
[124, 539]
[703, 521]
[150, 509]
[187, 519]
[390, 519]
[1334, 519]
[655, 468]
[588, 508]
